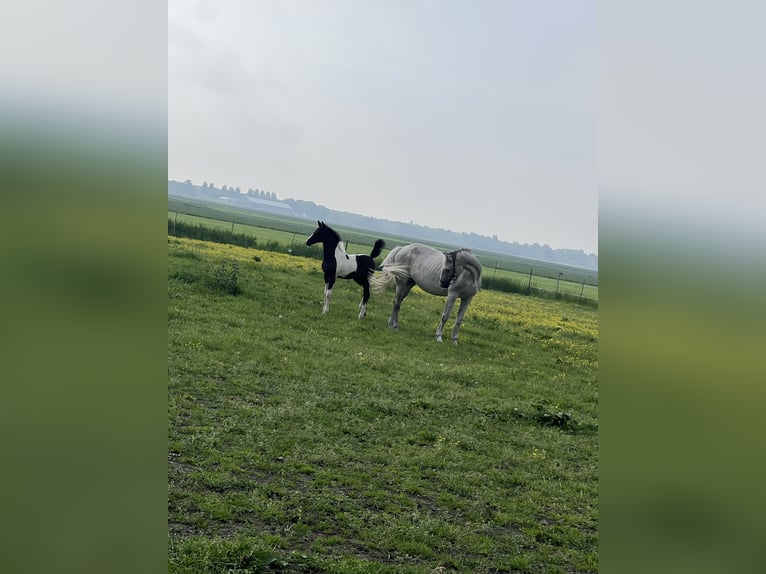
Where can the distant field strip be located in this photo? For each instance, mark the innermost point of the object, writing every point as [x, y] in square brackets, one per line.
[286, 232]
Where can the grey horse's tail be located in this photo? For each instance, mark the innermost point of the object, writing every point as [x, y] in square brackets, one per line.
[391, 257]
[388, 272]
[383, 279]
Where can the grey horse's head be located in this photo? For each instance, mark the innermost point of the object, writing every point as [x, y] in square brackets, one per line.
[449, 269]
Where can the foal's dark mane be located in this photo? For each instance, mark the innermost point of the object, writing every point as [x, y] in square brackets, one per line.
[329, 239]
[334, 236]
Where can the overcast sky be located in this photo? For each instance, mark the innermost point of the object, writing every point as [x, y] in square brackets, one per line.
[471, 116]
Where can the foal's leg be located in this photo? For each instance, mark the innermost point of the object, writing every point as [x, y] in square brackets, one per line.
[402, 290]
[451, 298]
[464, 302]
[327, 294]
[365, 297]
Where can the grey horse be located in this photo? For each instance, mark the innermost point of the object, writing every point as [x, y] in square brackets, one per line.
[454, 274]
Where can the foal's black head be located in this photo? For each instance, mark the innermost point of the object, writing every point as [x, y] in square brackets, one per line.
[324, 234]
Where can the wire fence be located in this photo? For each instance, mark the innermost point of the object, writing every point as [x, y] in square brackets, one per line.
[576, 284]
[541, 279]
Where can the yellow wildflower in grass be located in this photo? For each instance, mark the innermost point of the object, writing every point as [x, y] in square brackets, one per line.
[246, 254]
[530, 313]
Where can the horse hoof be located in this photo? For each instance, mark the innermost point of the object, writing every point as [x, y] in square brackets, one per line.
[439, 340]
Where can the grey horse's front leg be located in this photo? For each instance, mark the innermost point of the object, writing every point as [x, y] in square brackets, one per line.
[459, 320]
[451, 298]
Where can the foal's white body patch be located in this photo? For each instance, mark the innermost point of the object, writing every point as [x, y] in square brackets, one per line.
[345, 263]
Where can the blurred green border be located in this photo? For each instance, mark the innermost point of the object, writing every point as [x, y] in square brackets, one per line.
[83, 253]
[682, 371]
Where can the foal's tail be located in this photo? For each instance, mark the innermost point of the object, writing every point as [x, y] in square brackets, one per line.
[377, 248]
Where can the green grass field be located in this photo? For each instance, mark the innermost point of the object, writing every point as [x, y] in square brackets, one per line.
[302, 442]
[287, 231]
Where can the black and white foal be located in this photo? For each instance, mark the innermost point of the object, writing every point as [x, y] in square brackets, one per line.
[337, 263]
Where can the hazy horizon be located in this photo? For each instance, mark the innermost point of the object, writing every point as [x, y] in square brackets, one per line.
[283, 199]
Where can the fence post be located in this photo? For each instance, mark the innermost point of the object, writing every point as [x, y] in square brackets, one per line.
[232, 226]
[174, 223]
[557, 282]
[582, 289]
[529, 284]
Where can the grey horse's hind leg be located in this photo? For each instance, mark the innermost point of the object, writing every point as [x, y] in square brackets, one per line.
[464, 302]
[451, 298]
[402, 290]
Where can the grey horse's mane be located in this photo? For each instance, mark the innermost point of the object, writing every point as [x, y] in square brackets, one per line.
[470, 261]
